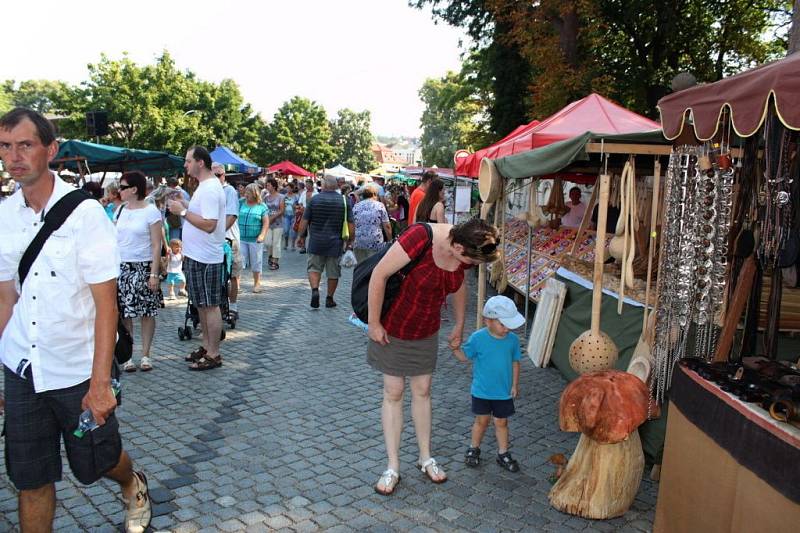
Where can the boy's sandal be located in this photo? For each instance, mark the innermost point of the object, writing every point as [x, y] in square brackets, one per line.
[507, 462]
[206, 363]
[128, 366]
[195, 355]
[472, 457]
[145, 365]
[434, 470]
[389, 479]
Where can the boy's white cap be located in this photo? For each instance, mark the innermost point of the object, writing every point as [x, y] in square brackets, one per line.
[504, 310]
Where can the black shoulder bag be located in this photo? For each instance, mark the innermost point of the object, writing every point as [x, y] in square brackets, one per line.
[53, 220]
[362, 273]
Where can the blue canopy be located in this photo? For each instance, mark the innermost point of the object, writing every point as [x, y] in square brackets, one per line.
[225, 156]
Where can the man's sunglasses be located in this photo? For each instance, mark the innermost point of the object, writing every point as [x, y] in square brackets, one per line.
[126, 187]
[219, 175]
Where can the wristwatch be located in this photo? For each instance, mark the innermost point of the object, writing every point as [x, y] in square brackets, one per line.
[182, 213]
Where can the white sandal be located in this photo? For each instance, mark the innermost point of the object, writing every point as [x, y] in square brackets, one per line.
[390, 478]
[435, 470]
[128, 366]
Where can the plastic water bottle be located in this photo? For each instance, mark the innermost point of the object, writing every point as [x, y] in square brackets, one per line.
[86, 421]
[354, 320]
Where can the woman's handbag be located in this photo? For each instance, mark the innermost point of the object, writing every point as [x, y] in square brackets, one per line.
[53, 220]
[359, 293]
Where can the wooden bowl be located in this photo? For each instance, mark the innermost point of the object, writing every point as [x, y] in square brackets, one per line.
[490, 183]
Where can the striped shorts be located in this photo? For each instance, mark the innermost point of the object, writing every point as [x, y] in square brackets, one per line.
[203, 282]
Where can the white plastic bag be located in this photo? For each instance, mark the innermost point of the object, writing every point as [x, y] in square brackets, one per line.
[348, 260]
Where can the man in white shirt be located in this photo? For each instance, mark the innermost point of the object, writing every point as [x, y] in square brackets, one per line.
[232, 234]
[203, 236]
[57, 359]
[577, 208]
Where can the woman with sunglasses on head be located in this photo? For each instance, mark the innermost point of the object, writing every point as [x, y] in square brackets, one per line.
[139, 234]
[405, 340]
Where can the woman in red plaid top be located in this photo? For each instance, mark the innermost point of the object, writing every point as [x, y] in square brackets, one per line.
[405, 341]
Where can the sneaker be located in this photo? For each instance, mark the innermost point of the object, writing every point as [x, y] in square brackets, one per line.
[139, 511]
[507, 462]
[315, 299]
[329, 301]
[472, 457]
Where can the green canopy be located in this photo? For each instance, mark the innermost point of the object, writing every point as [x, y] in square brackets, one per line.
[403, 178]
[559, 155]
[106, 158]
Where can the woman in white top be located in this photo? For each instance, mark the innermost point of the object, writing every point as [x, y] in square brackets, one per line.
[139, 235]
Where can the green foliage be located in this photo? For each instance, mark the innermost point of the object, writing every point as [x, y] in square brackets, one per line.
[453, 118]
[6, 99]
[351, 140]
[539, 56]
[156, 107]
[300, 132]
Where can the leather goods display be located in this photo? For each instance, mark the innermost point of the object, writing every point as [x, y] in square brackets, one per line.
[772, 385]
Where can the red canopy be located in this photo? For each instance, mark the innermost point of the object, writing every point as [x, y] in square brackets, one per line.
[287, 167]
[746, 95]
[591, 114]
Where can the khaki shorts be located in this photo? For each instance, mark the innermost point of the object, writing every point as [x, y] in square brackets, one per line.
[236, 264]
[320, 263]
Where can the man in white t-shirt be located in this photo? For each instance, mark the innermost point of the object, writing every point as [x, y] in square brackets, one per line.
[203, 236]
[232, 234]
[577, 208]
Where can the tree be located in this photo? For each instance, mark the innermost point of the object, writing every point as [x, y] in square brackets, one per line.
[299, 131]
[627, 49]
[453, 118]
[351, 140]
[794, 32]
[497, 59]
[6, 99]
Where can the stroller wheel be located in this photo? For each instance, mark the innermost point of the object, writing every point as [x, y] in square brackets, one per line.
[232, 323]
[181, 335]
[222, 335]
[188, 331]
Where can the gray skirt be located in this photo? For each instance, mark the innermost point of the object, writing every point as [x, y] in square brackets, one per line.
[404, 358]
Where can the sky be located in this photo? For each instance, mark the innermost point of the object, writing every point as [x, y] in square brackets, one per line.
[359, 54]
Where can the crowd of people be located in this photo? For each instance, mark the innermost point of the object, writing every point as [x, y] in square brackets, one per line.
[112, 258]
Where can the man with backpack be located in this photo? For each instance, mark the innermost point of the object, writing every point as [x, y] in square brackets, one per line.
[57, 359]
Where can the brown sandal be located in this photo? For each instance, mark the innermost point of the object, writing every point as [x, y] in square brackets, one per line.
[206, 363]
[195, 355]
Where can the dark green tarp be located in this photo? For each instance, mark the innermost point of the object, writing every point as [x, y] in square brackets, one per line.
[558, 156]
[624, 330]
[107, 158]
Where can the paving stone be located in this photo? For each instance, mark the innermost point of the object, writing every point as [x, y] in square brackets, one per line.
[174, 483]
[159, 495]
[161, 509]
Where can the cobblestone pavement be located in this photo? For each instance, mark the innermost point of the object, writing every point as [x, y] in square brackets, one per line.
[287, 436]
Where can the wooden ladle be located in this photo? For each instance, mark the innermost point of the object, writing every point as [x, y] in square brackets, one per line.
[594, 350]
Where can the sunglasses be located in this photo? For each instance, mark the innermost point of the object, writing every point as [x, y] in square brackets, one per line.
[488, 248]
[219, 175]
[126, 187]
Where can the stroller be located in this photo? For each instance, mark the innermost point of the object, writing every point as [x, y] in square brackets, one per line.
[186, 331]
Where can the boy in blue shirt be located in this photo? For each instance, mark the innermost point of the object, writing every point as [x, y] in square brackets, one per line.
[495, 353]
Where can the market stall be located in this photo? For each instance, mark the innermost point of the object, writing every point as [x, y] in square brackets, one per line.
[85, 158]
[232, 162]
[288, 168]
[733, 437]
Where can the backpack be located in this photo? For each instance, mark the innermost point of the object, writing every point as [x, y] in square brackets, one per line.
[359, 294]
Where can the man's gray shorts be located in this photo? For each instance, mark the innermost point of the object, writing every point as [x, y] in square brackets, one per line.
[325, 263]
[34, 425]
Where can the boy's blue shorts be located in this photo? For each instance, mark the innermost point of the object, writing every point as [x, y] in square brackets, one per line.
[496, 408]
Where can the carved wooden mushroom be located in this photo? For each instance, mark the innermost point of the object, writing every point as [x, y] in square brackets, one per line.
[602, 476]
